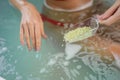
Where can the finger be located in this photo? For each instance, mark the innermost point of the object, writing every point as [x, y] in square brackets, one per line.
[21, 35]
[42, 30]
[27, 37]
[109, 12]
[32, 35]
[37, 36]
[114, 18]
[41, 27]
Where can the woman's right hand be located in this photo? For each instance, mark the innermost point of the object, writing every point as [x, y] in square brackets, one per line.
[112, 15]
[31, 28]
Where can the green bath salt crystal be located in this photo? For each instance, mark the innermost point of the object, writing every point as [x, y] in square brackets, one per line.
[78, 34]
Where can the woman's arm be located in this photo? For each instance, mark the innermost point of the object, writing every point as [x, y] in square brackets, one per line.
[31, 26]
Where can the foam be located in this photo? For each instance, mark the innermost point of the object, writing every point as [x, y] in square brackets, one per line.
[71, 50]
[79, 67]
[2, 78]
[3, 49]
[43, 70]
[117, 59]
[51, 62]
[87, 5]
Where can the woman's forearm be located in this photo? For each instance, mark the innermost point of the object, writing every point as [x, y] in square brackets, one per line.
[19, 4]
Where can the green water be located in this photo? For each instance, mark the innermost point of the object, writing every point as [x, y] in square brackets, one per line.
[17, 63]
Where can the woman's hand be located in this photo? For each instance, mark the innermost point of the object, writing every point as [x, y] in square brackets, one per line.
[31, 28]
[112, 15]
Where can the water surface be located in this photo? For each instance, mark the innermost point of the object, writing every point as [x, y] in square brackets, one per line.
[57, 60]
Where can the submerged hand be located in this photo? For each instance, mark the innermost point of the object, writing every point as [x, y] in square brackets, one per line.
[31, 27]
[112, 15]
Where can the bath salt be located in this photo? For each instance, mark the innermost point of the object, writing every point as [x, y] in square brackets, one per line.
[78, 34]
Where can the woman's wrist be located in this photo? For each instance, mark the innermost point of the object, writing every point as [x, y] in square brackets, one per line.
[18, 3]
[24, 6]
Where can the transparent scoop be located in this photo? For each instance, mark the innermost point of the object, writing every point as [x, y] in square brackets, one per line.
[83, 30]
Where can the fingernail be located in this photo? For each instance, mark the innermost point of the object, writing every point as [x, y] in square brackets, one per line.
[22, 42]
[37, 49]
[100, 17]
[45, 36]
[29, 49]
[100, 21]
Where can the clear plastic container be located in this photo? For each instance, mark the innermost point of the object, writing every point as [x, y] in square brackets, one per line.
[93, 25]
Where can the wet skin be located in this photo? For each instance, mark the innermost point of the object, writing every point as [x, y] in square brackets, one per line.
[32, 27]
